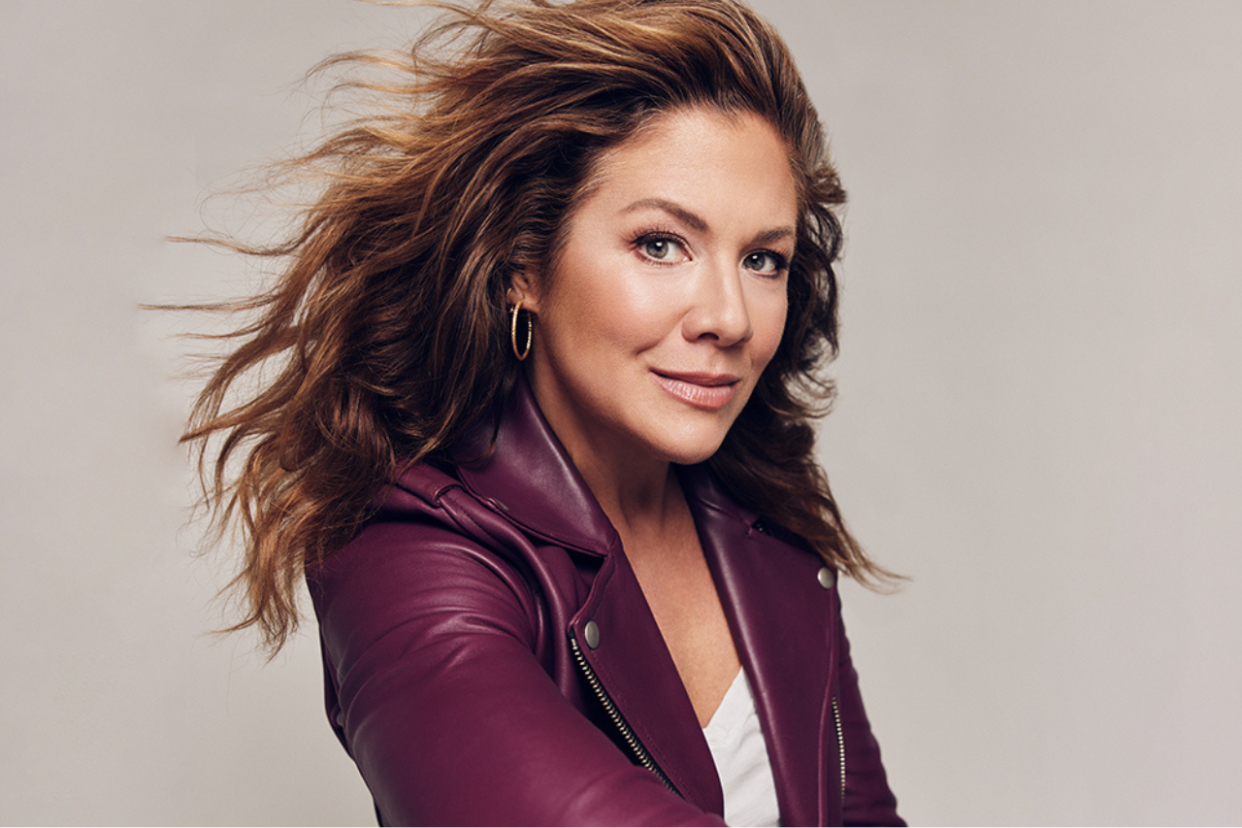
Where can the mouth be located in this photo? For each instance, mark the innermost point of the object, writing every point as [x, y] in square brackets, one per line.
[709, 392]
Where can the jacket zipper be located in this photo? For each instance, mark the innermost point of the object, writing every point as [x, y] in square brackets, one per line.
[627, 733]
[836, 719]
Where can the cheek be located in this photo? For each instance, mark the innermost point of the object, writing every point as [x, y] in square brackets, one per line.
[768, 318]
[599, 314]
[647, 308]
[622, 309]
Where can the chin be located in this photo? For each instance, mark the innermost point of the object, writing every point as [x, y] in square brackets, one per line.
[692, 448]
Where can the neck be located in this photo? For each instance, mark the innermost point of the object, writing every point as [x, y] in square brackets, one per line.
[637, 490]
[639, 499]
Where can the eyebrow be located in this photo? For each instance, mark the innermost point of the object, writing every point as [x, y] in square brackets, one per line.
[695, 221]
[774, 235]
[672, 208]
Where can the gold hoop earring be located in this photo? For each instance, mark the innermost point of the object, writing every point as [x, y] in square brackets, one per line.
[530, 332]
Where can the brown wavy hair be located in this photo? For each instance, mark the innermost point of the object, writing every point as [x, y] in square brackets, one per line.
[385, 333]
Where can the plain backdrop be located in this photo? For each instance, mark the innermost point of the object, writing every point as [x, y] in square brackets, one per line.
[1039, 421]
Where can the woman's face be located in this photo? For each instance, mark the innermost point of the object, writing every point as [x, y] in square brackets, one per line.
[669, 296]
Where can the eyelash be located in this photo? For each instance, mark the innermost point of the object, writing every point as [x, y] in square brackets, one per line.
[780, 262]
[654, 235]
[645, 237]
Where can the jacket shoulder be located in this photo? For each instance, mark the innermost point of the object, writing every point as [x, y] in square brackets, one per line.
[430, 547]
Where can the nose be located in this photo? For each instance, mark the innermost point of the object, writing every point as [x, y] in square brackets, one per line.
[718, 309]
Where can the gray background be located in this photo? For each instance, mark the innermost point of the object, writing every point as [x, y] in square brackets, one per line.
[1039, 420]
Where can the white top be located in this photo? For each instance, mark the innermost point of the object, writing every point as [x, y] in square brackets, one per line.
[741, 757]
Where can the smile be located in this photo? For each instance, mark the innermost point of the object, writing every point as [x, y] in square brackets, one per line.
[710, 392]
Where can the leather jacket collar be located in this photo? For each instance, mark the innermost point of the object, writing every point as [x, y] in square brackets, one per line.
[528, 476]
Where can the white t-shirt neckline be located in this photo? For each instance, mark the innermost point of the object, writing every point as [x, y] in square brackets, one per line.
[735, 738]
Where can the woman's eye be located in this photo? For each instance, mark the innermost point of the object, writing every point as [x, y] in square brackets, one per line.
[764, 261]
[661, 249]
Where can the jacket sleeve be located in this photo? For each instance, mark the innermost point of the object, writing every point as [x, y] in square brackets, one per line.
[868, 799]
[435, 690]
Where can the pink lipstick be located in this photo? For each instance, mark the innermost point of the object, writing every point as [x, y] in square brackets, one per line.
[710, 392]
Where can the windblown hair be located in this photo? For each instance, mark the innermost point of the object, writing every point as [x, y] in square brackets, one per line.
[386, 330]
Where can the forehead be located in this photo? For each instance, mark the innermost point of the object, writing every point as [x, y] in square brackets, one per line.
[707, 160]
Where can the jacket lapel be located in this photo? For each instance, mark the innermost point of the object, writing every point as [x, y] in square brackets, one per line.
[783, 621]
[636, 670]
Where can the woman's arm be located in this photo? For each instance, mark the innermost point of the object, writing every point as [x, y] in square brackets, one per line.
[868, 799]
[429, 643]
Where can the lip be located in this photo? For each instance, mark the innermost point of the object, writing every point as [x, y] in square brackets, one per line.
[706, 391]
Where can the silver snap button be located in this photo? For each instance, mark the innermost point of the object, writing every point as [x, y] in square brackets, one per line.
[827, 578]
[591, 631]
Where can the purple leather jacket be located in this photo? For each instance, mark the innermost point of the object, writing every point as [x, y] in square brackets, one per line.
[489, 657]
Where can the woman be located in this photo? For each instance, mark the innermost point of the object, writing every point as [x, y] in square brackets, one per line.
[538, 435]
